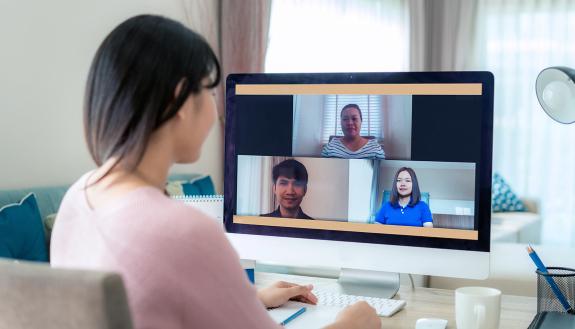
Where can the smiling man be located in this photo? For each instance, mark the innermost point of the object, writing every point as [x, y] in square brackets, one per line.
[290, 185]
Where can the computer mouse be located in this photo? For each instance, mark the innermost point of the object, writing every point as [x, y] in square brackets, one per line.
[427, 323]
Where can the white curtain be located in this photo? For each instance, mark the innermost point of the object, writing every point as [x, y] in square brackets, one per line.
[441, 34]
[254, 191]
[338, 36]
[516, 39]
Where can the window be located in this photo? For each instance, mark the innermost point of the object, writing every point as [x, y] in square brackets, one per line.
[370, 106]
[366, 36]
[516, 40]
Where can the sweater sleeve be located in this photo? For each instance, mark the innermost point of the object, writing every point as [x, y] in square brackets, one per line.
[220, 294]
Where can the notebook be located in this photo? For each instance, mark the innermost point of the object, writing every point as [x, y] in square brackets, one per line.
[212, 205]
[314, 316]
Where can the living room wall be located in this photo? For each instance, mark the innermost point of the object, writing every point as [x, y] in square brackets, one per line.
[47, 47]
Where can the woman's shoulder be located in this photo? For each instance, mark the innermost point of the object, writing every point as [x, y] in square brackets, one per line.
[422, 204]
[179, 211]
[372, 143]
[336, 140]
[374, 149]
[333, 148]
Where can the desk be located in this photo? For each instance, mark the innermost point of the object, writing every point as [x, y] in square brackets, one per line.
[516, 311]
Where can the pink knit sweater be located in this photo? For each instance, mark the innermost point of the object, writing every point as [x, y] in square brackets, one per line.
[179, 269]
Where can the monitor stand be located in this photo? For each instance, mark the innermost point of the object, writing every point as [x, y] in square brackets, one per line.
[368, 283]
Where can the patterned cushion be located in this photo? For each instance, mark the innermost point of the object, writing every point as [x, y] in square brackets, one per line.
[502, 197]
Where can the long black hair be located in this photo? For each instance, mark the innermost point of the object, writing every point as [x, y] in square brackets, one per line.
[415, 193]
[132, 81]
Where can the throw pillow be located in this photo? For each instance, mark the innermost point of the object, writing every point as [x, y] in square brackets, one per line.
[199, 186]
[22, 231]
[502, 197]
[202, 185]
[175, 188]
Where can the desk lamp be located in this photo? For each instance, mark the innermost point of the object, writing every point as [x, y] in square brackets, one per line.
[556, 93]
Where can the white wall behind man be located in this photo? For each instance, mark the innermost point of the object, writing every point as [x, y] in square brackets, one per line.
[46, 50]
[327, 188]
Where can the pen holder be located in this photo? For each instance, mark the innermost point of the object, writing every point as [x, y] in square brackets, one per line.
[547, 299]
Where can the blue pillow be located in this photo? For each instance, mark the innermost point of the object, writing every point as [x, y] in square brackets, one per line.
[502, 197]
[22, 232]
[199, 186]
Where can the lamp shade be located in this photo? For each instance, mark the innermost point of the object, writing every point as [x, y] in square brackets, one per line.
[556, 93]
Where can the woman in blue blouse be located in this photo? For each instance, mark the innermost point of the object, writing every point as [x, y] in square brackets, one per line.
[405, 206]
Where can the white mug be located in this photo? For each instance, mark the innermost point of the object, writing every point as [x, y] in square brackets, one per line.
[477, 308]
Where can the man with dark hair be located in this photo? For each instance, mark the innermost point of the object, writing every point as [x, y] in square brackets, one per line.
[290, 186]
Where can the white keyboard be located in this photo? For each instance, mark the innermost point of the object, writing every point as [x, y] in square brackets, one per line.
[383, 306]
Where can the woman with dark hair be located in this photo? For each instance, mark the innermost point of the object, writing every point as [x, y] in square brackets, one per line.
[405, 206]
[352, 145]
[149, 104]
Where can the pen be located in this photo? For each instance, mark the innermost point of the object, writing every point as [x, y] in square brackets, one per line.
[293, 316]
[550, 280]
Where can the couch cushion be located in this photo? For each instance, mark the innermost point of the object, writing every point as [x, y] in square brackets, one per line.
[523, 227]
[190, 184]
[48, 198]
[502, 197]
[22, 231]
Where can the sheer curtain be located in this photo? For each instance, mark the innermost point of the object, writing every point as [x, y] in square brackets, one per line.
[441, 34]
[338, 36]
[515, 39]
[236, 30]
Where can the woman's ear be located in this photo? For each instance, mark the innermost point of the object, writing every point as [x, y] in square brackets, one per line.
[179, 87]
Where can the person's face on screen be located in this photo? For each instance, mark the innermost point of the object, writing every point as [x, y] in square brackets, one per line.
[404, 184]
[350, 122]
[289, 192]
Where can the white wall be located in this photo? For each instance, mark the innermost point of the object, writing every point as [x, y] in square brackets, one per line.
[397, 114]
[443, 180]
[359, 194]
[327, 188]
[47, 47]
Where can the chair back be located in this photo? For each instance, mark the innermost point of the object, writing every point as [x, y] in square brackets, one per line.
[337, 136]
[35, 295]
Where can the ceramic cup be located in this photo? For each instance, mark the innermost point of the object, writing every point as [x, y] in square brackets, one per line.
[477, 308]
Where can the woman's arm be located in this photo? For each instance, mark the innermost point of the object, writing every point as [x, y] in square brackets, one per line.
[214, 289]
[426, 216]
[325, 150]
[380, 216]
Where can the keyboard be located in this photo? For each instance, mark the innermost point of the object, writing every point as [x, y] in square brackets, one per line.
[383, 306]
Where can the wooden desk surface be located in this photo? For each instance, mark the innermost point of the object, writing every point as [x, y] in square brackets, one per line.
[516, 311]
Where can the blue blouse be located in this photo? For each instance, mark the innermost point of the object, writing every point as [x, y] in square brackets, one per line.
[408, 216]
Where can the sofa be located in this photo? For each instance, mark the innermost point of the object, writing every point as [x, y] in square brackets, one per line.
[48, 201]
[517, 226]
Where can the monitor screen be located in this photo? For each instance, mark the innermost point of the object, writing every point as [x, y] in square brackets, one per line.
[381, 158]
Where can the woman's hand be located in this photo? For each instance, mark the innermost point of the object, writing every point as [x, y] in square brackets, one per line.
[359, 315]
[280, 292]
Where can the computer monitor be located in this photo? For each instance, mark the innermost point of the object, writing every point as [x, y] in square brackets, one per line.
[315, 170]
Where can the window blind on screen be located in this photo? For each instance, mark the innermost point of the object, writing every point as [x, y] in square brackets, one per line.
[370, 106]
